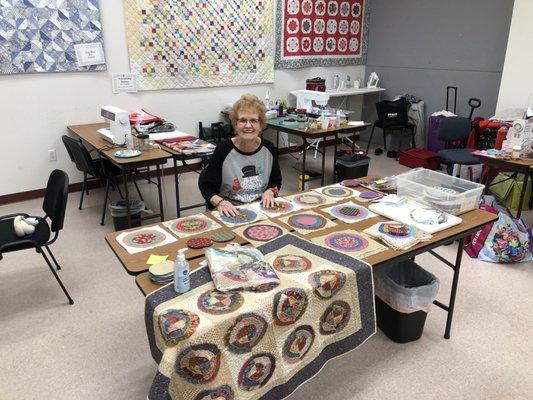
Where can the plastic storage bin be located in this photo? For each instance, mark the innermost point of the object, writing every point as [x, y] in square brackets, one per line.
[447, 193]
[120, 217]
[404, 294]
[352, 166]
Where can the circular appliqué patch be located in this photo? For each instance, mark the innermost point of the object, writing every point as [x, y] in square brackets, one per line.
[368, 194]
[350, 212]
[220, 393]
[199, 242]
[307, 221]
[309, 199]
[351, 183]
[215, 302]
[176, 325]
[146, 238]
[191, 225]
[245, 333]
[396, 230]
[262, 232]
[346, 241]
[245, 215]
[289, 306]
[223, 236]
[327, 282]
[279, 207]
[337, 191]
[335, 318]
[198, 363]
[290, 263]
[298, 344]
[256, 371]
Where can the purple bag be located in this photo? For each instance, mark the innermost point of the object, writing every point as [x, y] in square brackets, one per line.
[433, 142]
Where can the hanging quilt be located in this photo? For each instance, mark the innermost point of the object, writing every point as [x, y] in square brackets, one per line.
[312, 33]
[41, 36]
[200, 43]
[243, 345]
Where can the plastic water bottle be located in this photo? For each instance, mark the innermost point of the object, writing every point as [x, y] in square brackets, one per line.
[335, 82]
[182, 281]
[129, 141]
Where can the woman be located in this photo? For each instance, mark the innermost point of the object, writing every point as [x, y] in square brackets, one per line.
[244, 168]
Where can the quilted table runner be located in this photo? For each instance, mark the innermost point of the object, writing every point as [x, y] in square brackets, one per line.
[262, 344]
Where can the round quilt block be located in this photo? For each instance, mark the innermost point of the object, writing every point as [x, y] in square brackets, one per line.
[223, 392]
[199, 363]
[199, 242]
[177, 325]
[291, 263]
[349, 212]
[307, 221]
[262, 232]
[289, 306]
[327, 282]
[191, 225]
[396, 230]
[350, 242]
[223, 236]
[245, 215]
[369, 195]
[256, 371]
[215, 302]
[245, 333]
[351, 183]
[280, 207]
[335, 318]
[337, 191]
[309, 199]
[298, 344]
[145, 238]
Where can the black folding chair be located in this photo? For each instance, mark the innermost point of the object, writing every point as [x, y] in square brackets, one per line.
[454, 131]
[54, 206]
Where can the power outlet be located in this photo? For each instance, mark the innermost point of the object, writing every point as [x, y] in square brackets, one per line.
[52, 155]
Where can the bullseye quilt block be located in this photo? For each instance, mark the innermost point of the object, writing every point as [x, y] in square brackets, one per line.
[337, 192]
[246, 216]
[305, 222]
[310, 199]
[349, 212]
[248, 345]
[260, 232]
[281, 207]
[351, 242]
[144, 239]
[187, 226]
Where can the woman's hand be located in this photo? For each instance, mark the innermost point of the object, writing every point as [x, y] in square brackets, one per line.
[226, 208]
[267, 199]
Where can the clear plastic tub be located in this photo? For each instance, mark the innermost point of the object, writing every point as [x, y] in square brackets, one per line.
[447, 193]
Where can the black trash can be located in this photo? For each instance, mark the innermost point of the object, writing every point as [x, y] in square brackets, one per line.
[352, 166]
[404, 293]
[120, 217]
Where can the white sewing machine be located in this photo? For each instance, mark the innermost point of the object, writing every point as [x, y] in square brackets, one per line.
[305, 98]
[119, 124]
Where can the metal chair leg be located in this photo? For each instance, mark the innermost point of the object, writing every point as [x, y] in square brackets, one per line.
[53, 258]
[83, 189]
[105, 201]
[413, 144]
[370, 138]
[384, 138]
[401, 141]
[56, 276]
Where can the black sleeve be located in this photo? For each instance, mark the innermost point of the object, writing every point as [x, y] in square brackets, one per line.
[210, 179]
[275, 174]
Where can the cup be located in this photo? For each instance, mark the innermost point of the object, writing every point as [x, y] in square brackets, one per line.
[356, 84]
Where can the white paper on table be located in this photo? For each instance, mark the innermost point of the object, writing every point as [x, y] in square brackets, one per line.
[89, 54]
[356, 123]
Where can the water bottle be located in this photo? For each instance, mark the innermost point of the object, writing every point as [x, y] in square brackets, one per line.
[182, 281]
[129, 141]
[335, 82]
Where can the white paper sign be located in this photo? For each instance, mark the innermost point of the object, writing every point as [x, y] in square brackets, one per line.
[89, 54]
[124, 83]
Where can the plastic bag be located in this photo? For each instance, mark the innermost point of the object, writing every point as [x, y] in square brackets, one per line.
[406, 287]
[507, 242]
[235, 267]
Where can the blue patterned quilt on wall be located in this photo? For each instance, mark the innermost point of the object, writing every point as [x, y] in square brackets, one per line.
[40, 35]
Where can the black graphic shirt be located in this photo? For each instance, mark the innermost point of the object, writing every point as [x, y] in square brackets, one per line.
[238, 176]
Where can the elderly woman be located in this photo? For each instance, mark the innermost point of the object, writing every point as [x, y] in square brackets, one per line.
[244, 168]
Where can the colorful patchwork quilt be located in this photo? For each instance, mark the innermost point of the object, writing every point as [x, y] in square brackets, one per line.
[263, 344]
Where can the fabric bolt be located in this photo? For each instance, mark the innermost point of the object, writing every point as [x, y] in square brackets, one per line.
[307, 221]
[281, 208]
[246, 216]
[261, 232]
[351, 242]
[144, 239]
[188, 44]
[321, 33]
[396, 235]
[40, 36]
[337, 192]
[349, 212]
[187, 226]
[228, 346]
[310, 199]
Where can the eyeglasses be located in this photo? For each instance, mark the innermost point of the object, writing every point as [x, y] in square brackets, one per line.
[244, 121]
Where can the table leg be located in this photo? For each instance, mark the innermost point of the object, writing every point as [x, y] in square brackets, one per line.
[303, 165]
[454, 288]
[277, 140]
[522, 195]
[128, 211]
[177, 187]
[353, 143]
[335, 157]
[160, 192]
[323, 163]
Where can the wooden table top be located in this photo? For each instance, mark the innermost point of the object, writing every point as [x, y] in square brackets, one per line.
[277, 125]
[89, 133]
[521, 164]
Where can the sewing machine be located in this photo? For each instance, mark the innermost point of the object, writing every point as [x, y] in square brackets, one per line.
[305, 99]
[119, 124]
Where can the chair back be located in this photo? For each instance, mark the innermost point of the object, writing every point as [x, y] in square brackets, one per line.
[393, 113]
[454, 129]
[79, 154]
[55, 199]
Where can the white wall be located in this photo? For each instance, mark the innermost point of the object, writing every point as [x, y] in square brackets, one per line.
[517, 78]
[36, 108]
